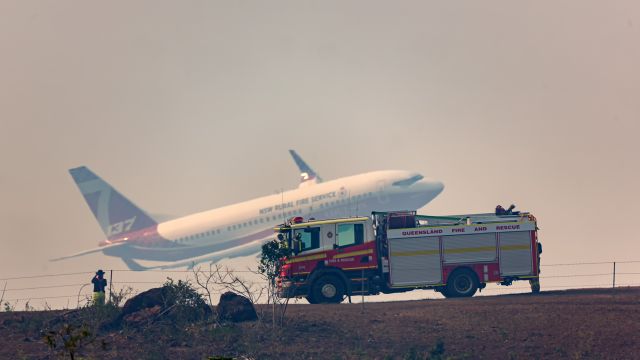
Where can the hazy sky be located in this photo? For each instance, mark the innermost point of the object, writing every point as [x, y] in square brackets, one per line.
[189, 105]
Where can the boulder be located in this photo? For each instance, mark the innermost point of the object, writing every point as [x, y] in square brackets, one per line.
[145, 300]
[235, 308]
[143, 316]
[149, 305]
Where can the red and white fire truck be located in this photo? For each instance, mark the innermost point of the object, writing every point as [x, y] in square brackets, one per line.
[392, 252]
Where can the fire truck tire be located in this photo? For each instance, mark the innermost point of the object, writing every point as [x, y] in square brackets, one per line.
[462, 283]
[328, 289]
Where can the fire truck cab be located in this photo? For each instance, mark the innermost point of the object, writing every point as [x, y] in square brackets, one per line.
[392, 252]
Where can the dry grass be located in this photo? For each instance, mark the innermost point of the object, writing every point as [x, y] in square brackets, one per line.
[599, 324]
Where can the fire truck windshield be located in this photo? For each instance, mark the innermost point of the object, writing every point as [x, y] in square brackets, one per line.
[309, 238]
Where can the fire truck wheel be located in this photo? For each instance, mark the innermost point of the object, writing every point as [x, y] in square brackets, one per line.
[462, 283]
[328, 289]
[311, 300]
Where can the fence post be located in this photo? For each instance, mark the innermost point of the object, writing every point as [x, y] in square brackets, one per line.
[110, 282]
[362, 289]
[614, 274]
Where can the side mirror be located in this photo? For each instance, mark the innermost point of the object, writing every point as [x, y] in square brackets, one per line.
[280, 237]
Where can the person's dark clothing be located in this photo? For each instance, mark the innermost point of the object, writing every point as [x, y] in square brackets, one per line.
[502, 211]
[99, 283]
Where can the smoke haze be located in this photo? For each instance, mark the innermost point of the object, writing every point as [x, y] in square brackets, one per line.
[187, 106]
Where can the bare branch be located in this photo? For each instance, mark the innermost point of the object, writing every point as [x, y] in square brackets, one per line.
[3, 291]
[219, 279]
[79, 291]
[203, 281]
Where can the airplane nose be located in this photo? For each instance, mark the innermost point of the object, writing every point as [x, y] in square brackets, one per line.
[438, 186]
[430, 188]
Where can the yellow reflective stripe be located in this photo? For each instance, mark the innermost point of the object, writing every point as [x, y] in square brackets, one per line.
[460, 251]
[306, 258]
[416, 285]
[360, 268]
[515, 247]
[331, 221]
[415, 253]
[448, 251]
[468, 250]
[355, 253]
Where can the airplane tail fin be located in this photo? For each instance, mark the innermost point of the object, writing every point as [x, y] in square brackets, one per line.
[306, 172]
[115, 213]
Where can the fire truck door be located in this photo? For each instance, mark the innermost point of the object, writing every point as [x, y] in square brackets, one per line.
[515, 253]
[415, 261]
[328, 236]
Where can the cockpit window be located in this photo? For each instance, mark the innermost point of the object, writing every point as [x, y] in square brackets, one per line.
[408, 182]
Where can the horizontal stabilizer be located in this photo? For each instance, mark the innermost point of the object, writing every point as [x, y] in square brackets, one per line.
[86, 252]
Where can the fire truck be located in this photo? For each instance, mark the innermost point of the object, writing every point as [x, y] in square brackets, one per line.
[392, 252]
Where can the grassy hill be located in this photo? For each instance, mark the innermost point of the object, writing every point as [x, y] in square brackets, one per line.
[590, 323]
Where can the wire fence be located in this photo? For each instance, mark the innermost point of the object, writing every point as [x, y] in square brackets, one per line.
[62, 290]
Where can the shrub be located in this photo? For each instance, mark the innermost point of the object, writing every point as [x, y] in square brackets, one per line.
[68, 339]
[183, 302]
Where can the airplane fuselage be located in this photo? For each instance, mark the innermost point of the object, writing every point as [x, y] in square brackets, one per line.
[245, 225]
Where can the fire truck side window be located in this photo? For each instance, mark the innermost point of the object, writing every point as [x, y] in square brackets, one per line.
[309, 238]
[350, 234]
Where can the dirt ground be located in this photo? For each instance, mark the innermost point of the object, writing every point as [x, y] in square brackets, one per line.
[578, 324]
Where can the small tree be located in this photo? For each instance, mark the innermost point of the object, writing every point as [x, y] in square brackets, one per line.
[68, 339]
[271, 261]
[271, 258]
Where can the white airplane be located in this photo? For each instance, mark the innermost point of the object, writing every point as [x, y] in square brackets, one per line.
[240, 229]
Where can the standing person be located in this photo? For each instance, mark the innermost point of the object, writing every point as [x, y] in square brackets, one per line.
[99, 283]
[535, 282]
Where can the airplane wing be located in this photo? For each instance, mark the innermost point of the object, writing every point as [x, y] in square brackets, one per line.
[90, 251]
[251, 248]
[307, 175]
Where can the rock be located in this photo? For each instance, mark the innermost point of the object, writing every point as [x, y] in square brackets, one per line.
[147, 299]
[148, 305]
[143, 316]
[235, 308]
